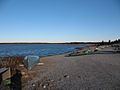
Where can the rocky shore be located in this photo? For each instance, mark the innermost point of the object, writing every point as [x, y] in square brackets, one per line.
[90, 68]
[98, 71]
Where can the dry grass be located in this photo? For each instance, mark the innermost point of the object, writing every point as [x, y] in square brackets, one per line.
[12, 62]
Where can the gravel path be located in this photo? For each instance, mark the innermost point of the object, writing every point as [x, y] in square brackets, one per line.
[100, 71]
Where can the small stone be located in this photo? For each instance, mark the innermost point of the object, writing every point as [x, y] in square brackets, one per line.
[21, 65]
[33, 85]
[52, 80]
[79, 77]
[23, 73]
[44, 86]
[66, 76]
[40, 64]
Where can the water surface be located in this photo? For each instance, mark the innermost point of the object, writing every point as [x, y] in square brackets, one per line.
[36, 49]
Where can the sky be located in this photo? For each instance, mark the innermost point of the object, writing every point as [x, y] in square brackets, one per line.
[59, 20]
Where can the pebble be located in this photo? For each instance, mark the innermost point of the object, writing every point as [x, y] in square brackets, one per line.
[21, 65]
[33, 85]
[44, 86]
[66, 76]
[23, 73]
[40, 64]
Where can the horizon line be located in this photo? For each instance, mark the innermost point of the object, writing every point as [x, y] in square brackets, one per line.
[67, 42]
[55, 42]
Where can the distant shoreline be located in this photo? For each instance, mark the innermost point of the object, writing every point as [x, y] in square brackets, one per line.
[67, 42]
[49, 43]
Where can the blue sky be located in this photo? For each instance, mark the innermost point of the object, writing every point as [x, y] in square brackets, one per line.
[59, 20]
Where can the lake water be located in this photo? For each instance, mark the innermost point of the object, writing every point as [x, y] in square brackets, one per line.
[36, 49]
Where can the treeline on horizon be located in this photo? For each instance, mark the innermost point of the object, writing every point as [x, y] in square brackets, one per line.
[100, 43]
[117, 41]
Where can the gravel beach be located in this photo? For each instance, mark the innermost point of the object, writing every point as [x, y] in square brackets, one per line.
[99, 71]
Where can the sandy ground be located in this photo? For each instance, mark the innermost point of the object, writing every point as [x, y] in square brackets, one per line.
[100, 71]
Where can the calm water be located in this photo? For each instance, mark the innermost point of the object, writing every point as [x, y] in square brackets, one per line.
[35, 49]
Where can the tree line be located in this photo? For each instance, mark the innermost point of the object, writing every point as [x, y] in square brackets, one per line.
[117, 41]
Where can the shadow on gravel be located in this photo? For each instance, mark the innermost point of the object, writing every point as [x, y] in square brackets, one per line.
[16, 81]
[108, 52]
